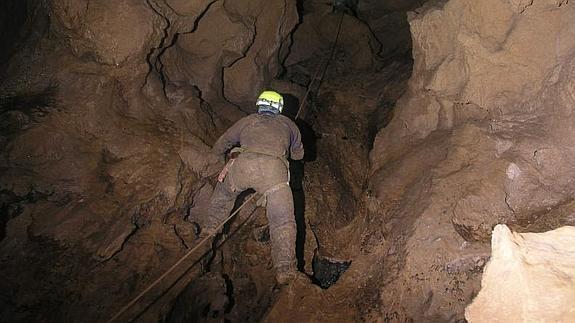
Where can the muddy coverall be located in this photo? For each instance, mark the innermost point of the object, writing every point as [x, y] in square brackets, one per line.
[265, 141]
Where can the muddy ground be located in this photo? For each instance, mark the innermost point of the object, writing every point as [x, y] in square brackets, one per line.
[434, 122]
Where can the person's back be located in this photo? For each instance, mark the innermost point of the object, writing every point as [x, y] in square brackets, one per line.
[268, 134]
[272, 134]
[266, 139]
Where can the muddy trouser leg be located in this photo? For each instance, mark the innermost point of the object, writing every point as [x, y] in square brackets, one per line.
[280, 213]
[221, 204]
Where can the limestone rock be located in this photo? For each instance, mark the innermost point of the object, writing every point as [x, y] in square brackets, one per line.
[237, 46]
[488, 116]
[189, 8]
[318, 30]
[246, 78]
[528, 279]
[197, 58]
[99, 30]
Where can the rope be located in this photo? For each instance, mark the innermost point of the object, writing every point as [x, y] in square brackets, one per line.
[219, 227]
[189, 253]
[328, 60]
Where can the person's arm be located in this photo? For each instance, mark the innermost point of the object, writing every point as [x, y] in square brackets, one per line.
[229, 139]
[296, 146]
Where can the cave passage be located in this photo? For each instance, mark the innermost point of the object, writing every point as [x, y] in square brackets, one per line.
[106, 131]
[430, 128]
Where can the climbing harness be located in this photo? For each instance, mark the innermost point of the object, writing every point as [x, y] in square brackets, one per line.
[226, 170]
[221, 176]
[263, 200]
[282, 158]
[240, 150]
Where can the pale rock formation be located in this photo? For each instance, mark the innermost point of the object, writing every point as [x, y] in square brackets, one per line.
[529, 278]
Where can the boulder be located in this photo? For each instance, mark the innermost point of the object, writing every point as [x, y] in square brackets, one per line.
[318, 30]
[529, 278]
[103, 30]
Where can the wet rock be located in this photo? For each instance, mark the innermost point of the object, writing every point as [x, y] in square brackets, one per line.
[318, 30]
[485, 88]
[99, 30]
[528, 278]
[204, 300]
[246, 78]
[327, 271]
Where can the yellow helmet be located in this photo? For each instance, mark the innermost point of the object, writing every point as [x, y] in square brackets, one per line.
[271, 102]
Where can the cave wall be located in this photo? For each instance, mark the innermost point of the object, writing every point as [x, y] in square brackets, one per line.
[13, 16]
[388, 22]
[370, 31]
[316, 34]
[106, 128]
[233, 54]
[484, 135]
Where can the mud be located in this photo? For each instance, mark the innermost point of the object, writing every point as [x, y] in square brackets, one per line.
[435, 122]
[326, 272]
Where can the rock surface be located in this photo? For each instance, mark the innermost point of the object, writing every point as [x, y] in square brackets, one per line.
[103, 148]
[480, 138]
[528, 279]
[105, 131]
[317, 33]
[483, 135]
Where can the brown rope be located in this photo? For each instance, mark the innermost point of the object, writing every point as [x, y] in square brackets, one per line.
[327, 61]
[189, 253]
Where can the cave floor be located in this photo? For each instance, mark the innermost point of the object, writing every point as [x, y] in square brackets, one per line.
[349, 110]
[330, 189]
